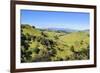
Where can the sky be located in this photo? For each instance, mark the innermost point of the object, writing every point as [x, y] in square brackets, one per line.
[53, 19]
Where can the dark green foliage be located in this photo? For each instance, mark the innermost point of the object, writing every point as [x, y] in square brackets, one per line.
[44, 34]
[33, 26]
[82, 42]
[36, 50]
[56, 37]
[25, 55]
[79, 55]
[72, 48]
[52, 52]
[59, 59]
[42, 56]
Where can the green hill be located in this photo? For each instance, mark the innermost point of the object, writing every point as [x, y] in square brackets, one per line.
[43, 45]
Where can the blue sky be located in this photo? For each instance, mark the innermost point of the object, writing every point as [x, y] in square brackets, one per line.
[49, 19]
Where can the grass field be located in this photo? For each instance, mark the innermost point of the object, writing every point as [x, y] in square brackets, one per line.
[40, 45]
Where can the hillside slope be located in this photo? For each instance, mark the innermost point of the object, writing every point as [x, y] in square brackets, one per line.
[43, 45]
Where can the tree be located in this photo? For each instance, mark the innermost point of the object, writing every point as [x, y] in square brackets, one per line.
[33, 26]
[81, 42]
[36, 50]
[44, 34]
[56, 37]
[72, 48]
[52, 52]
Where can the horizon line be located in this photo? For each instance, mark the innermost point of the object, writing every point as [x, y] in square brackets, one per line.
[55, 27]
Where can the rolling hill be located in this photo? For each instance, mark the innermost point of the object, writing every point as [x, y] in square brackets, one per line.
[40, 45]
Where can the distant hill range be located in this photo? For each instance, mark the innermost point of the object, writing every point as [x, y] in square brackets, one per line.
[66, 30]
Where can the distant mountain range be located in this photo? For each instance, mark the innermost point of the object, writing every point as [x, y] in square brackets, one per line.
[65, 30]
[61, 29]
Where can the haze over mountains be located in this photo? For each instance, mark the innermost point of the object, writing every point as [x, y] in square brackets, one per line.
[64, 29]
[61, 29]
